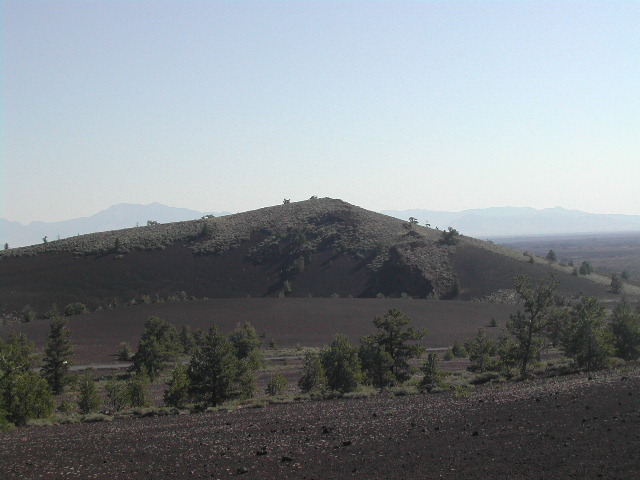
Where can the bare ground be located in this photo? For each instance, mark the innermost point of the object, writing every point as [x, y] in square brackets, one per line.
[288, 321]
[569, 427]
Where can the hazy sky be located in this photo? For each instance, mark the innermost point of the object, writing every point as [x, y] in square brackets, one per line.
[388, 105]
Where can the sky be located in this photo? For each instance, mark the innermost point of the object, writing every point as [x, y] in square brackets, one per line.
[232, 106]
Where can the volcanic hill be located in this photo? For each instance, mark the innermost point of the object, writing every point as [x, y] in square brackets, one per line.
[314, 248]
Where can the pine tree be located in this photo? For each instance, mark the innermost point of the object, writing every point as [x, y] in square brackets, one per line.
[377, 365]
[625, 327]
[528, 326]
[313, 376]
[585, 337]
[392, 337]
[480, 351]
[213, 369]
[158, 346]
[177, 395]
[247, 344]
[57, 354]
[23, 393]
[342, 365]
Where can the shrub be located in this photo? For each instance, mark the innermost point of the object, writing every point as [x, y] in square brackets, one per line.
[177, 393]
[28, 314]
[585, 337]
[138, 389]
[124, 352]
[27, 395]
[342, 365]
[75, 308]
[480, 349]
[277, 385]
[116, 395]
[625, 329]
[449, 236]
[458, 350]
[313, 376]
[616, 285]
[88, 398]
[433, 375]
[376, 364]
[585, 268]
[247, 344]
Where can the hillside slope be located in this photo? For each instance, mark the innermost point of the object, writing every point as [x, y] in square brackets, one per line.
[318, 247]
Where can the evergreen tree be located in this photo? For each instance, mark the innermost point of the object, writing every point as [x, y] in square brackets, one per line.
[585, 268]
[528, 326]
[247, 344]
[616, 285]
[158, 346]
[625, 329]
[376, 364]
[480, 351]
[138, 389]
[342, 365]
[313, 376]
[213, 369]
[392, 337]
[433, 375]
[585, 337]
[23, 393]
[57, 354]
[551, 257]
[186, 339]
[177, 394]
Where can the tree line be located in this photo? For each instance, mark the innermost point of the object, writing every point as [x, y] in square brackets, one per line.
[210, 368]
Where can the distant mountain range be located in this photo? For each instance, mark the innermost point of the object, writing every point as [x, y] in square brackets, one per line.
[481, 223]
[511, 221]
[116, 217]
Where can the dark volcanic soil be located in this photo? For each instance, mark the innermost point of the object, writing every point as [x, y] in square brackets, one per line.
[289, 321]
[567, 427]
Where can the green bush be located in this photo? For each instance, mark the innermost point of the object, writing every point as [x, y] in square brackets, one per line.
[158, 346]
[342, 365]
[88, 397]
[585, 337]
[625, 328]
[138, 389]
[214, 370]
[116, 392]
[124, 353]
[75, 308]
[433, 375]
[29, 397]
[277, 385]
[177, 393]
[313, 376]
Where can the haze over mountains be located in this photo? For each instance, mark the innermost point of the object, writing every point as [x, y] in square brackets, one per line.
[515, 221]
[482, 223]
[116, 217]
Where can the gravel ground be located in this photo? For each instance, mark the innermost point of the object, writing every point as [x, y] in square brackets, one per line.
[569, 427]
